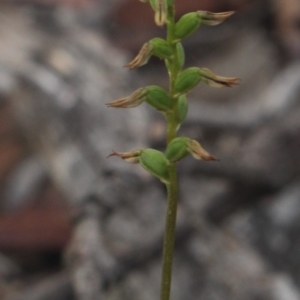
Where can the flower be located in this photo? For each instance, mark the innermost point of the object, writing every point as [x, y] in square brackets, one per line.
[154, 95]
[151, 160]
[157, 46]
[180, 147]
[190, 22]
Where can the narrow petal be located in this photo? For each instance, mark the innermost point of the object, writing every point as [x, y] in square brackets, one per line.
[133, 100]
[131, 157]
[142, 57]
[211, 19]
[198, 152]
[214, 80]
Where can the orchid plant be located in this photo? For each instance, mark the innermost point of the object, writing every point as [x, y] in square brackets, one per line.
[173, 104]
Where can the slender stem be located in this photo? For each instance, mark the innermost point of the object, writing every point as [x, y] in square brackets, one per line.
[169, 239]
[172, 186]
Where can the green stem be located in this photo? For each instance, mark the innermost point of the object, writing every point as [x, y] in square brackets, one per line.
[169, 239]
[172, 186]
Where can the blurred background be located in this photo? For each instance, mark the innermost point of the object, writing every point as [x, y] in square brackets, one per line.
[75, 225]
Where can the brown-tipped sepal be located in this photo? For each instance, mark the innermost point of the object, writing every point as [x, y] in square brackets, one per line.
[155, 163]
[214, 80]
[154, 95]
[142, 57]
[190, 22]
[132, 157]
[187, 80]
[157, 47]
[160, 8]
[212, 19]
[197, 151]
[182, 146]
[133, 100]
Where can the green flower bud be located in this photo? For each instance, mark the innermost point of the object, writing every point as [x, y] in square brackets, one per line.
[154, 95]
[161, 48]
[155, 163]
[183, 108]
[187, 25]
[182, 146]
[187, 80]
[180, 55]
[176, 149]
[158, 98]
